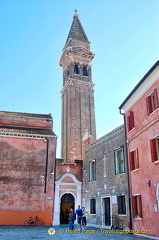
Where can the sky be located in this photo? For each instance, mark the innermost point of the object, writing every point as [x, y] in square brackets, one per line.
[124, 36]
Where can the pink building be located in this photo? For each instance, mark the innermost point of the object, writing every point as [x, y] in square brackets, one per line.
[141, 114]
[27, 161]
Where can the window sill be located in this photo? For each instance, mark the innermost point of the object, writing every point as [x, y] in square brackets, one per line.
[119, 173]
[122, 215]
[156, 161]
[132, 129]
[135, 170]
[153, 112]
[138, 218]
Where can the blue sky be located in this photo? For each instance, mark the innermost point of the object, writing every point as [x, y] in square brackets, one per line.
[124, 35]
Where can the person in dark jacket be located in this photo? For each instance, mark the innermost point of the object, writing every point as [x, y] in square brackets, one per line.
[79, 216]
[71, 218]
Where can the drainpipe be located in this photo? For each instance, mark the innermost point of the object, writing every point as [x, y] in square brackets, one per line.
[46, 166]
[129, 191]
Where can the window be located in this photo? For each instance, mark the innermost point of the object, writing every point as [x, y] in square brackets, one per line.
[121, 204]
[92, 170]
[134, 159]
[137, 206]
[76, 70]
[130, 121]
[119, 160]
[92, 206]
[157, 195]
[152, 102]
[85, 73]
[154, 145]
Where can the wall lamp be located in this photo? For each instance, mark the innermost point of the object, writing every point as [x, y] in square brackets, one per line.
[149, 183]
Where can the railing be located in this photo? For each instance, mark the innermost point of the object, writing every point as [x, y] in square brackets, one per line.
[117, 222]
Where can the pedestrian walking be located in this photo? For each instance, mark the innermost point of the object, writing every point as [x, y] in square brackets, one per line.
[79, 216]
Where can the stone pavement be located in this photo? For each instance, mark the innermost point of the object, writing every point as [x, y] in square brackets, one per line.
[60, 232]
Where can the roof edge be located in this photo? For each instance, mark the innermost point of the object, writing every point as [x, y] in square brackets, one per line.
[139, 84]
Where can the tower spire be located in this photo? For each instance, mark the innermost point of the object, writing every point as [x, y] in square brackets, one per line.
[78, 112]
[76, 30]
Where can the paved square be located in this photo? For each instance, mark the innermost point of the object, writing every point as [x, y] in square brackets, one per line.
[60, 232]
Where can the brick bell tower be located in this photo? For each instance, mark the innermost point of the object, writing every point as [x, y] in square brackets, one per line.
[78, 113]
[78, 120]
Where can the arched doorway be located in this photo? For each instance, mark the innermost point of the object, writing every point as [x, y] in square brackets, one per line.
[67, 201]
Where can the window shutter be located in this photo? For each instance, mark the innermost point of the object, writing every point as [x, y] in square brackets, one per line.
[140, 205]
[148, 105]
[131, 119]
[131, 157]
[128, 123]
[137, 158]
[134, 206]
[153, 150]
[156, 98]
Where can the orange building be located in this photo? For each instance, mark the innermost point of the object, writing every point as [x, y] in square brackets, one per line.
[27, 161]
[141, 113]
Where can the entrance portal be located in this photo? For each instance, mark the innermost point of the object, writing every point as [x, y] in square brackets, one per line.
[67, 201]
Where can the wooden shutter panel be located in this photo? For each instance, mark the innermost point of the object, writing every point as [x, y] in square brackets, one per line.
[132, 119]
[156, 98]
[131, 158]
[148, 105]
[140, 205]
[128, 123]
[153, 150]
[137, 158]
[134, 206]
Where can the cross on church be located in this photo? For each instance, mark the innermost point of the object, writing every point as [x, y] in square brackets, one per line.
[104, 159]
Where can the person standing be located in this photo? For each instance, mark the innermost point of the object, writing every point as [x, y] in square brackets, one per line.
[71, 218]
[79, 216]
[84, 220]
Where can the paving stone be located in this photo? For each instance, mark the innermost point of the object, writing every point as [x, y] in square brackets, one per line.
[61, 232]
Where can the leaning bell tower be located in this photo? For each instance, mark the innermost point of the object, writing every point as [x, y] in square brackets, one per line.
[78, 119]
[78, 112]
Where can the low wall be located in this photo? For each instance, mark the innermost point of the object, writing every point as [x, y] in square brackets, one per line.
[18, 218]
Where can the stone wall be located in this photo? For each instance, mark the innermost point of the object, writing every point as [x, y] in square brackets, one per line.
[107, 185]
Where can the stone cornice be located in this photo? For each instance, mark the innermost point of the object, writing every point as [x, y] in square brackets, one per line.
[25, 135]
[73, 52]
[77, 84]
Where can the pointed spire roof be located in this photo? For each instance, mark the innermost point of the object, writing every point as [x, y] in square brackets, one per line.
[77, 30]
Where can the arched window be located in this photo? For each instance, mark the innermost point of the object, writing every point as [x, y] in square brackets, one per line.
[85, 73]
[76, 70]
